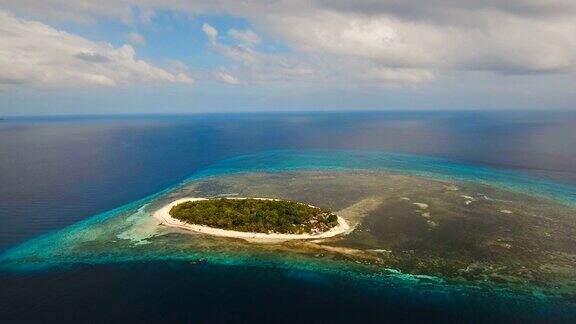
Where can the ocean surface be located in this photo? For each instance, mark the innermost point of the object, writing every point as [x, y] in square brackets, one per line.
[55, 172]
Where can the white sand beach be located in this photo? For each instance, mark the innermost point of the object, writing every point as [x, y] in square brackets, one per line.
[163, 215]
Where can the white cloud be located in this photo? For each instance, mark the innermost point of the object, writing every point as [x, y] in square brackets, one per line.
[378, 40]
[226, 77]
[254, 66]
[244, 52]
[135, 38]
[210, 32]
[245, 36]
[35, 54]
[500, 43]
[398, 75]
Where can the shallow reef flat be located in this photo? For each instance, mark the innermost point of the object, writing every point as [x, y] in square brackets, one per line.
[443, 234]
[455, 230]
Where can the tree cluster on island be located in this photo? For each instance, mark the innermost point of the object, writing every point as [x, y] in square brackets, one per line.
[256, 215]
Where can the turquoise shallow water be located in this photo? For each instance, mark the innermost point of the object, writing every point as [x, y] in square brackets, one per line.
[119, 236]
[63, 247]
[282, 160]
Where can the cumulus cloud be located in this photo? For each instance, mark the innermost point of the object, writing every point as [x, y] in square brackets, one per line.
[248, 64]
[210, 32]
[226, 77]
[135, 38]
[237, 52]
[497, 42]
[35, 54]
[245, 36]
[455, 11]
[380, 40]
[92, 57]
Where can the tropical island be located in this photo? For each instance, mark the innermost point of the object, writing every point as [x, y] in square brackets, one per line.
[257, 219]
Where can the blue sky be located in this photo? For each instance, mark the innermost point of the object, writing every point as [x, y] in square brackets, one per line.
[107, 57]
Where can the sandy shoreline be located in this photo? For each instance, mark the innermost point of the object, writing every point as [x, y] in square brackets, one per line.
[163, 215]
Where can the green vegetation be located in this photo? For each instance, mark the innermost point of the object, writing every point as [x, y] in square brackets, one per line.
[256, 215]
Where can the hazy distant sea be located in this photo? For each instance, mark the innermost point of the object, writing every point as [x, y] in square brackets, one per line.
[57, 171]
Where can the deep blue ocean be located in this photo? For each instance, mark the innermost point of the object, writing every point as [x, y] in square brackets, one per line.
[57, 171]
